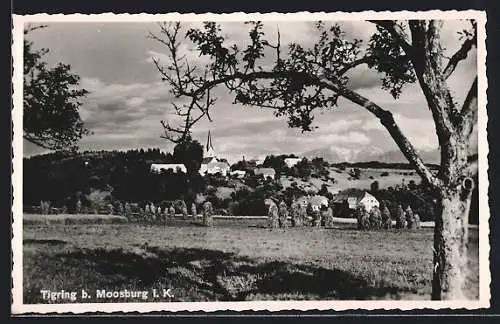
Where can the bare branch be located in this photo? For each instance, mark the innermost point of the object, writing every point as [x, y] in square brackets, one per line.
[29, 28]
[469, 111]
[461, 54]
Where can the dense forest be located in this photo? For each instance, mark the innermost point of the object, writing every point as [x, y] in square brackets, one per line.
[63, 178]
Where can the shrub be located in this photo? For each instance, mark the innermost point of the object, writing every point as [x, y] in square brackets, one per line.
[248, 203]
[410, 218]
[97, 199]
[375, 218]
[78, 207]
[386, 217]
[362, 217]
[207, 214]
[400, 217]
[327, 217]
[384, 174]
[355, 173]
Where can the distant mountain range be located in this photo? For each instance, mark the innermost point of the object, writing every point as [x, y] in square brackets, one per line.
[367, 154]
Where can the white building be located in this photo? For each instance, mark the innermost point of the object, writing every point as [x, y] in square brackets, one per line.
[266, 172]
[258, 162]
[210, 163]
[238, 173]
[354, 199]
[316, 201]
[214, 167]
[158, 168]
[291, 162]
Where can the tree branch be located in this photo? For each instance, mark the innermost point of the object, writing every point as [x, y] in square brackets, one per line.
[363, 60]
[461, 54]
[384, 116]
[387, 120]
[41, 142]
[469, 111]
[397, 32]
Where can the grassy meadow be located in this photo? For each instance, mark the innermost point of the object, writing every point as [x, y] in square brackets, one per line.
[233, 261]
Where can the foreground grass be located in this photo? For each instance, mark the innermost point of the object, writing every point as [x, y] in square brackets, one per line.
[232, 261]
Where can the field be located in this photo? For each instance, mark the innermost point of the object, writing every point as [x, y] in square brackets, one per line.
[342, 180]
[235, 260]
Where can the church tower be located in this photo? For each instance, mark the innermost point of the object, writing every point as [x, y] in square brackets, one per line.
[209, 149]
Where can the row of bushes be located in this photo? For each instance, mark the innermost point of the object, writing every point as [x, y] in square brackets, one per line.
[381, 218]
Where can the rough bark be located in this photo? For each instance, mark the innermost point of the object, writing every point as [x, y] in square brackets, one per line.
[450, 244]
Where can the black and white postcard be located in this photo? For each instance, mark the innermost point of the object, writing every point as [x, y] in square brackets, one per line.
[306, 161]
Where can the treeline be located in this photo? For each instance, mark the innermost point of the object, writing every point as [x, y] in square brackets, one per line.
[64, 178]
[305, 168]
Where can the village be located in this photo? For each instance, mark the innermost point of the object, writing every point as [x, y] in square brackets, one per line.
[313, 209]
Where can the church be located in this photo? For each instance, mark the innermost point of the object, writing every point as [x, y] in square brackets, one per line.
[211, 164]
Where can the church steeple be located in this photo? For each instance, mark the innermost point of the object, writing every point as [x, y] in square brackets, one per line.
[209, 150]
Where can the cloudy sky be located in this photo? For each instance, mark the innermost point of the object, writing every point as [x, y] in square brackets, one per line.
[127, 99]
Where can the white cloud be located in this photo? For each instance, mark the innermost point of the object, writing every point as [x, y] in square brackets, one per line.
[421, 132]
[327, 139]
[127, 100]
[340, 125]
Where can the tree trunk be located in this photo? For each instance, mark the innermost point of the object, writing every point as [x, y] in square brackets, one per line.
[450, 266]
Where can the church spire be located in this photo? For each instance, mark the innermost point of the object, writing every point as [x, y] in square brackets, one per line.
[209, 150]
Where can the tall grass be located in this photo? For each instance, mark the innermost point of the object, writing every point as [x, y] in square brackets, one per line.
[231, 261]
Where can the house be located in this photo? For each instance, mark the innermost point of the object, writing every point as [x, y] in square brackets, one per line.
[266, 172]
[158, 168]
[316, 201]
[238, 173]
[215, 167]
[291, 162]
[351, 199]
[257, 162]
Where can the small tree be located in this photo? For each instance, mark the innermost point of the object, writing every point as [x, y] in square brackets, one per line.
[51, 101]
[400, 217]
[363, 217]
[188, 152]
[272, 214]
[327, 216]
[386, 217]
[355, 173]
[171, 211]
[410, 218]
[375, 218]
[193, 210]
[97, 199]
[324, 192]
[208, 214]
[78, 206]
[283, 215]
